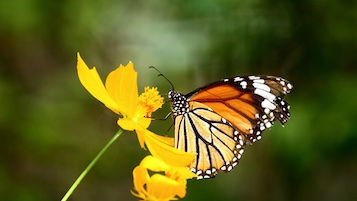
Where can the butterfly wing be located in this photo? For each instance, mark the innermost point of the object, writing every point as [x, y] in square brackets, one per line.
[250, 103]
[217, 120]
[217, 143]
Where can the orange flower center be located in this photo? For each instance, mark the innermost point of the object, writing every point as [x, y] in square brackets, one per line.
[150, 100]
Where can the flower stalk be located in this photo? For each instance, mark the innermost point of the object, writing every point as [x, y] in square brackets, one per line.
[91, 164]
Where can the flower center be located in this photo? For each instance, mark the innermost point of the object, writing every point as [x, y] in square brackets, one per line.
[150, 100]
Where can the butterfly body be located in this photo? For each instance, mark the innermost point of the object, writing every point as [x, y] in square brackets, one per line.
[216, 121]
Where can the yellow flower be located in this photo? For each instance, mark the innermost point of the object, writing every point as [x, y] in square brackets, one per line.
[160, 187]
[120, 94]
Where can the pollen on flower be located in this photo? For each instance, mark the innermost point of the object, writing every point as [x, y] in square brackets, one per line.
[150, 100]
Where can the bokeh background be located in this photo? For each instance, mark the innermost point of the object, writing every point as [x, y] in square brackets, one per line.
[51, 127]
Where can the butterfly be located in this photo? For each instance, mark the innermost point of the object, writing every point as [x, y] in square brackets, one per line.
[218, 120]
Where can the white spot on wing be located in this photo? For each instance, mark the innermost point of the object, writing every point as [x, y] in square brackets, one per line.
[265, 94]
[259, 81]
[290, 86]
[266, 109]
[238, 79]
[267, 104]
[224, 120]
[268, 125]
[261, 86]
[244, 84]
[253, 77]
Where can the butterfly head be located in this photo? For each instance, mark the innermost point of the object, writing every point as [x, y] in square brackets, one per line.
[179, 103]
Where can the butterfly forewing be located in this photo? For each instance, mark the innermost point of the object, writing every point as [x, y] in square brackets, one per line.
[250, 103]
[238, 109]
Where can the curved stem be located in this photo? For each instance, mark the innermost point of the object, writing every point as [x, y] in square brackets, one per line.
[91, 164]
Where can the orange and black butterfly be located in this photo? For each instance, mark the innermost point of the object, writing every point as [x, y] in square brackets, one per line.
[216, 121]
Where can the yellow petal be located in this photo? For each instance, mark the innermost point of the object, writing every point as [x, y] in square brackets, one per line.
[127, 124]
[185, 173]
[144, 122]
[141, 137]
[159, 148]
[122, 87]
[140, 178]
[158, 165]
[164, 188]
[154, 164]
[94, 85]
[130, 125]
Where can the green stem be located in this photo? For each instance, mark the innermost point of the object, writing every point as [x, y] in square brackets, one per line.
[84, 173]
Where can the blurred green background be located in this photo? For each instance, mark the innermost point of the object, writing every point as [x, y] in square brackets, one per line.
[51, 127]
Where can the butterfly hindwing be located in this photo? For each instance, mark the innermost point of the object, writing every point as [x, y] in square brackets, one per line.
[216, 142]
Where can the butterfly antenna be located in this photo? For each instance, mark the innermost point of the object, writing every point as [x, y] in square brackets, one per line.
[172, 86]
